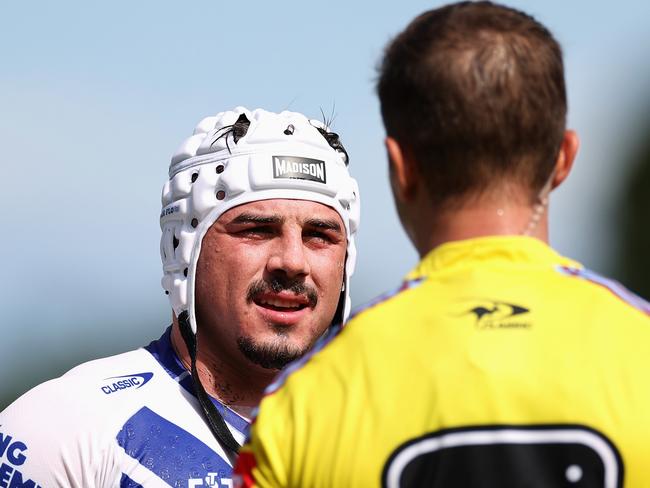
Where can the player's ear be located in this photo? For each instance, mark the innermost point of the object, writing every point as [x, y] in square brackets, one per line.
[565, 157]
[402, 171]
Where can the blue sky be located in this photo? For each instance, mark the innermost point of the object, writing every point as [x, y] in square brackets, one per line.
[95, 97]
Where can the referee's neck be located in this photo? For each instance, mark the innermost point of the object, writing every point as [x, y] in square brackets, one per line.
[479, 218]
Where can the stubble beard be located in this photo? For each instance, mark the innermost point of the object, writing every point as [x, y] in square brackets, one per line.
[278, 352]
[274, 355]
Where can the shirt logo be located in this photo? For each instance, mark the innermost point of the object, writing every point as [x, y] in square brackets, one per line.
[491, 314]
[170, 209]
[299, 168]
[12, 456]
[126, 381]
[212, 480]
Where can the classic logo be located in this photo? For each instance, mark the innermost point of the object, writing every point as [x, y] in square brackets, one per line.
[491, 314]
[126, 381]
[299, 168]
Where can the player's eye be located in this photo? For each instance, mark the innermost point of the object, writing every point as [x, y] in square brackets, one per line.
[257, 231]
[318, 236]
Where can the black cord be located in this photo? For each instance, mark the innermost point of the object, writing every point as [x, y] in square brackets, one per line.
[215, 421]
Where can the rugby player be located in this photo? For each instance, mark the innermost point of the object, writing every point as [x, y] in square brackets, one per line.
[258, 224]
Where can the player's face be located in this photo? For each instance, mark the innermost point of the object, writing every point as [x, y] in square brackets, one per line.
[269, 279]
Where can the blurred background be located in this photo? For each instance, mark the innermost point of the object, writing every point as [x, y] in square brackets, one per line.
[95, 97]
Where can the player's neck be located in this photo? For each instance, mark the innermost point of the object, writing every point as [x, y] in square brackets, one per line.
[233, 381]
[481, 219]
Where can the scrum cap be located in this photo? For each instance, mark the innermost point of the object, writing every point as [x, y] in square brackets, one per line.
[242, 156]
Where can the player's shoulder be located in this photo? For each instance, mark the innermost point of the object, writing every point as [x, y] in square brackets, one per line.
[52, 431]
[99, 378]
[84, 394]
[123, 365]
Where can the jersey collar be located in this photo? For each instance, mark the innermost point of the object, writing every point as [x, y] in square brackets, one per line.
[163, 351]
[505, 249]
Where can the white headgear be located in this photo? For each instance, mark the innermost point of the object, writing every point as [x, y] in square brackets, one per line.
[244, 156]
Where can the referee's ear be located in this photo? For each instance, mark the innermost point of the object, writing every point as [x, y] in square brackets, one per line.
[402, 170]
[565, 157]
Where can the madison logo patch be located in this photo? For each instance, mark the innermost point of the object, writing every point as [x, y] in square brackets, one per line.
[299, 168]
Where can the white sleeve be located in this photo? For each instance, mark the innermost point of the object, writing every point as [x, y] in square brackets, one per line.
[45, 442]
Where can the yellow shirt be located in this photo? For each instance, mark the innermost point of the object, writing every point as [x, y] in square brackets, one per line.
[498, 363]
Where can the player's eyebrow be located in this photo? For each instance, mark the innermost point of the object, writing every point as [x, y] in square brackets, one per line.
[248, 218]
[325, 224]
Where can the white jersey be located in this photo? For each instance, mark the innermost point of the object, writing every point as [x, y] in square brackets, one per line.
[126, 421]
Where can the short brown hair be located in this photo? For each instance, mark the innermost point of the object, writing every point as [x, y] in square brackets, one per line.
[475, 91]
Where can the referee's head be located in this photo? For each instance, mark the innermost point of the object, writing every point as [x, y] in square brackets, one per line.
[473, 95]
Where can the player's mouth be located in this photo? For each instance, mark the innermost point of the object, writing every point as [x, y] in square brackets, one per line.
[282, 302]
[282, 309]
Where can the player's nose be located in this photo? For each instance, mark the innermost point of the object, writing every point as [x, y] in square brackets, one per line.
[289, 256]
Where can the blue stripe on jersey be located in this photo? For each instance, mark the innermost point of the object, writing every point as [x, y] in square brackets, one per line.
[171, 453]
[164, 353]
[127, 482]
[407, 285]
[614, 286]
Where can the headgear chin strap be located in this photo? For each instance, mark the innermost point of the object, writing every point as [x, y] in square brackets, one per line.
[239, 157]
